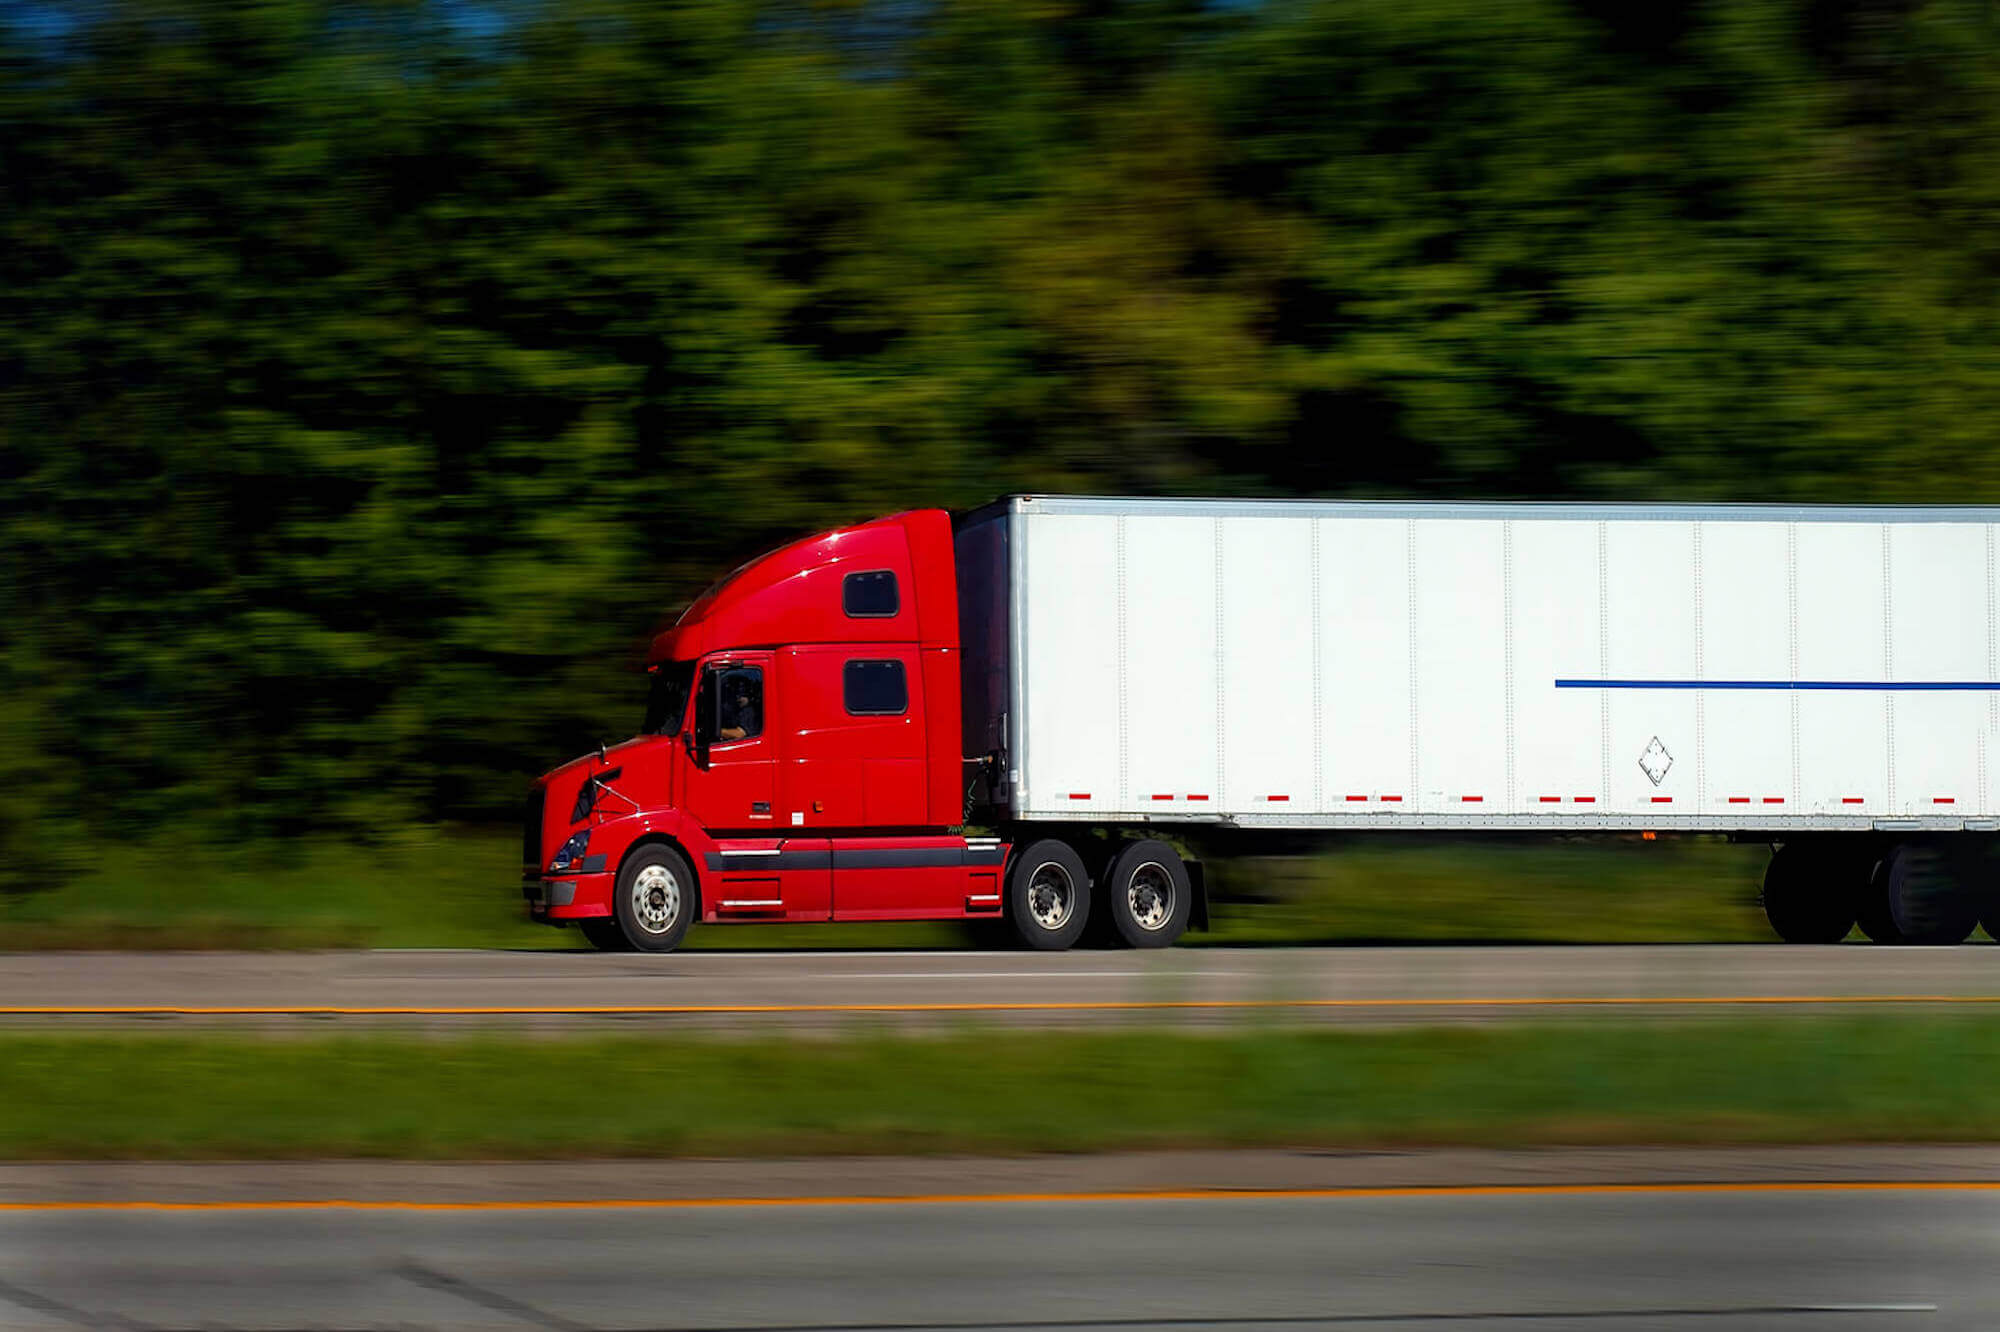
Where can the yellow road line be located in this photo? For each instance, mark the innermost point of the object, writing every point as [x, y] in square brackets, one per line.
[1054, 1006]
[931, 1199]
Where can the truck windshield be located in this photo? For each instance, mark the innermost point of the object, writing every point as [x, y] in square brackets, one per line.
[667, 700]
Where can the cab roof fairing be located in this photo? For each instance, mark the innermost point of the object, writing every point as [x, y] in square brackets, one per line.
[793, 594]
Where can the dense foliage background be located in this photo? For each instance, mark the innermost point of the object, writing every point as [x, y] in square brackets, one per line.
[375, 377]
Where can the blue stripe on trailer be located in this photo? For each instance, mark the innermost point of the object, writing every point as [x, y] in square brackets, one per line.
[1913, 686]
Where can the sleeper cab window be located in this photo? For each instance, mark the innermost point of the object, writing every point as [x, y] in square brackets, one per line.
[870, 595]
[875, 689]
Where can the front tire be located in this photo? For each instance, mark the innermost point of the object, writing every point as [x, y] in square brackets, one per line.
[655, 899]
[1048, 895]
[1148, 893]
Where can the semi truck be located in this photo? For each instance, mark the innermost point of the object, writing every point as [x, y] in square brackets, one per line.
[1008, 714]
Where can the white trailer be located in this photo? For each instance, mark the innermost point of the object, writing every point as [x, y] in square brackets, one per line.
[1784, 672]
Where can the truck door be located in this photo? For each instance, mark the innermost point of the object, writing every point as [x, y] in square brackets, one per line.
[729, 784]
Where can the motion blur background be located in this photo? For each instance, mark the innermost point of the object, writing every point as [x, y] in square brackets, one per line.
[374, 378]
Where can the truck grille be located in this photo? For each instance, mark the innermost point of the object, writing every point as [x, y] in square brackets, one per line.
[531, 832]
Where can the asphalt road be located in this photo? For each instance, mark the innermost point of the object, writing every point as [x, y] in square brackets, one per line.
[1708, 1259]
[808, 988]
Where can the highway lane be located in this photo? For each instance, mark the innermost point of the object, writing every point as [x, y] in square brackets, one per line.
[821, 988]
[1709, 1258]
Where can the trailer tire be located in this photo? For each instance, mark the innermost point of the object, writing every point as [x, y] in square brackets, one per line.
[1805, 898]
[1048, 895]
[1930, 895]
[605, 934]
[1148, 895]
[656, 898]
[1871, 909]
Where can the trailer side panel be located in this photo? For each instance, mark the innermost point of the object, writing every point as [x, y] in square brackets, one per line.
[1525, 666]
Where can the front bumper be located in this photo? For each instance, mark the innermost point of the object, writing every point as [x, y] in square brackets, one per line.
[567, 896]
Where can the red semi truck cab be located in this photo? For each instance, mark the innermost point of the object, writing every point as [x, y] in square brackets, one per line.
[800, 760]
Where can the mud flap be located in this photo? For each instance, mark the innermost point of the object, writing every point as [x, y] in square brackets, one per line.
[1198, 880]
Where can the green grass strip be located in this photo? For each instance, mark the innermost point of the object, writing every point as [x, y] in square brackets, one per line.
[461, 889]
[1801, 1080]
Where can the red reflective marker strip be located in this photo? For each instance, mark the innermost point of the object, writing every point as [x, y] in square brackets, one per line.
[1197, 797]
[1944, 800]
[1163, 797]
[1663, 800]
[1774, 800]
[1472, 800]
[1392, 799]
[1850, 800]
[1739, 800]
[1584, 800]
[1357, 797]
[1551, 800]
[1079, 795]
[1278, 797]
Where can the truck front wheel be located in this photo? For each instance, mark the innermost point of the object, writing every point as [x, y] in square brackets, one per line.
[1048, 895]
[655, 898]
[1148, 894]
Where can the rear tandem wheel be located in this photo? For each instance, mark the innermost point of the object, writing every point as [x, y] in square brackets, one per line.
[1048, 895]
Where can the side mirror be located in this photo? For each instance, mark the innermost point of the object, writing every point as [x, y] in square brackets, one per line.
[696, 750]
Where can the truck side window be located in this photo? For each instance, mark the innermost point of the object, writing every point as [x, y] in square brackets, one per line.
[732, 702]
[742, 703]
[869, 595]
[875, 689]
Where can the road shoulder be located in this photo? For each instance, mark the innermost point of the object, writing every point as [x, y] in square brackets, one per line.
[852, 1178]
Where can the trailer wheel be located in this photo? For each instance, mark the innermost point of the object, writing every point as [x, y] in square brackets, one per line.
[1148, 894]
[1048, 895]
[605, 934]
[655, 898]
[1930, 894]
[1871, 909]
[1806, 896]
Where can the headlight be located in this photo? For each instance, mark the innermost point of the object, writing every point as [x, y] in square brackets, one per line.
[571, 852]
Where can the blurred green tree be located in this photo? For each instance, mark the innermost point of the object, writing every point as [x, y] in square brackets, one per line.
[374, 377]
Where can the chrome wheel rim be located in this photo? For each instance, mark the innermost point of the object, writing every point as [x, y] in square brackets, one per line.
[1051, 896]
[656, 899]
[1149, 895]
